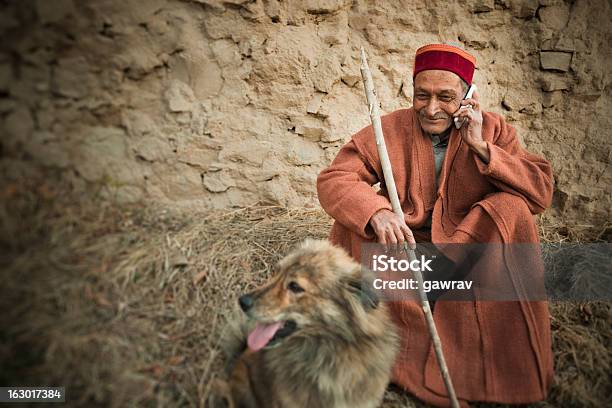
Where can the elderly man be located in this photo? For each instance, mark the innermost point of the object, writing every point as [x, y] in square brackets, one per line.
[472, 185]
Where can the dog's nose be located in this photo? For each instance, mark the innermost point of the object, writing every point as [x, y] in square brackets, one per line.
[246, 302]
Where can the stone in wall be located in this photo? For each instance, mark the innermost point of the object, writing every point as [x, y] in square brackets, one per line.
[310, 127]
[179, 96]
[102, 155]
[334, 30]
[554, 17]
[481, 6]
[303, 152]
[218, 182]
[325, 6]
[552, 98]
[326, 74]
[18, 127]
[42, 146]
[524, 8]
[555, 84]
[249, 152]
[555, 61]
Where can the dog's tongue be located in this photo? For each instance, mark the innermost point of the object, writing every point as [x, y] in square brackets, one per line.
[261, 335]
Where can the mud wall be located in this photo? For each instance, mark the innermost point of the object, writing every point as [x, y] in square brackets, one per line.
[226, 103]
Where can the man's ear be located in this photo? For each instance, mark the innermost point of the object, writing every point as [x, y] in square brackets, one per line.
[361, 286]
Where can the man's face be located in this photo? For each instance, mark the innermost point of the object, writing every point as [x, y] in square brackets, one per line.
[437, 95]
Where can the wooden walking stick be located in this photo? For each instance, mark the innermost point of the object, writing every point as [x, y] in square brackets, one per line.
[397, 209]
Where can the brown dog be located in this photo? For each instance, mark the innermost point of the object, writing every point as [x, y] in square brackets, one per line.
[321, 338]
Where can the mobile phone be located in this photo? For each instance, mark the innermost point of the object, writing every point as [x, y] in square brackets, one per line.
[468, 95]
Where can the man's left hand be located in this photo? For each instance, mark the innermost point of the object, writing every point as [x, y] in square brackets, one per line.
[471, 131]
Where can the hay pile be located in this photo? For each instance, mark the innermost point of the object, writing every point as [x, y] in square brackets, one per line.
[125, 306]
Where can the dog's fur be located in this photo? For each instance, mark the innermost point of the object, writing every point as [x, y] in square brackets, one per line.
[342, 349]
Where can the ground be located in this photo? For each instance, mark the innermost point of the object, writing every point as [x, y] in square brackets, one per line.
[126, 305]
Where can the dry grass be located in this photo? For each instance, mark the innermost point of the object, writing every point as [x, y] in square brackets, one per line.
[125, 306]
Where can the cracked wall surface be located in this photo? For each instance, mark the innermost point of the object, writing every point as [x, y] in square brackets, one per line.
[218, 104]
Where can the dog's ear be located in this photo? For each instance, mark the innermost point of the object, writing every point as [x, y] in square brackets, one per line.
[364, 289]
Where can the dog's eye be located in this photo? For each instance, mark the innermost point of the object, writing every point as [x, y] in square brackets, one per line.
[294, 287]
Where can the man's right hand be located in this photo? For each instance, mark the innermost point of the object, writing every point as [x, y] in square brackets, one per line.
[391, 230]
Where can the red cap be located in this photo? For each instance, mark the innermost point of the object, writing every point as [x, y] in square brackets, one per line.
[446, 58]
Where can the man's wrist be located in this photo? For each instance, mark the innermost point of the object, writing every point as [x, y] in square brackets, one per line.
[481, 148]
[373, 217]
